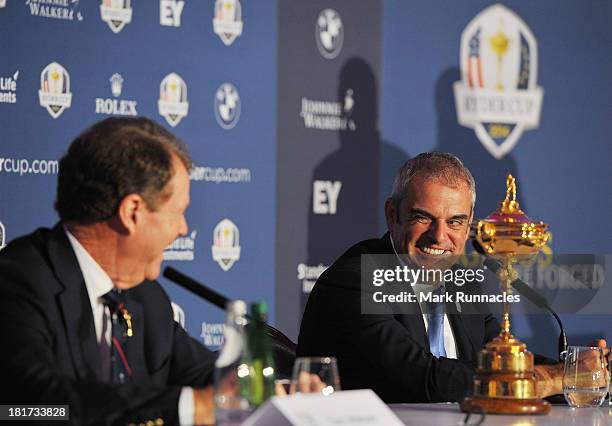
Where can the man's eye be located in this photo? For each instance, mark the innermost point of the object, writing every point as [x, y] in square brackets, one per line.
[420, 219]
[455, 223]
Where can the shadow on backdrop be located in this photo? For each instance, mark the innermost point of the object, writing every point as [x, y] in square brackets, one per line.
[354, 166]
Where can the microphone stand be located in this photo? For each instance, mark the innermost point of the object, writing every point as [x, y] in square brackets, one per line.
[220, 301]
[531, 295]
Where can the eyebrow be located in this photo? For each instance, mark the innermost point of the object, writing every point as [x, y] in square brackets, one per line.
[432, 217]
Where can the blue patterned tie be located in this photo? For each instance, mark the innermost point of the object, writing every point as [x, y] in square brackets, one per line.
[435, 330]
[121, 330]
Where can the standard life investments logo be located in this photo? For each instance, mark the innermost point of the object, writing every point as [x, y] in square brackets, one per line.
[8, 88]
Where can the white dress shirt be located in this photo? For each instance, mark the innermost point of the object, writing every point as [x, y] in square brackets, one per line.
[449, 339]
[98, 283]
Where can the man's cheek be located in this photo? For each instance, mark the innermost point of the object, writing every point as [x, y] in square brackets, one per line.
[407, 237]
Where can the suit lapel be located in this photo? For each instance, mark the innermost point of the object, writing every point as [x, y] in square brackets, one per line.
[75, 307]
[411, 317]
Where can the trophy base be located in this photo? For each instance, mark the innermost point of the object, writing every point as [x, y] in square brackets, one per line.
[479, 404]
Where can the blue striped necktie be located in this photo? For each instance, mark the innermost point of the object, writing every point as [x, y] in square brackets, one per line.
[121, 330]
[435, 320]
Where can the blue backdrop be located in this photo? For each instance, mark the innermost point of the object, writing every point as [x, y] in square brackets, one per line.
[300, 112]
[143, 52]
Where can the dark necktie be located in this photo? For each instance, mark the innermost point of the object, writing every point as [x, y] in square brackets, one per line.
[435, 329]
[121, 330]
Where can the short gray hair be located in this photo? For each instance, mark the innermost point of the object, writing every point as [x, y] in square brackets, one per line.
[440, 166]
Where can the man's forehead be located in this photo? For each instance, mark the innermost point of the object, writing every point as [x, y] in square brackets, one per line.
[436, 195]
[421, 187]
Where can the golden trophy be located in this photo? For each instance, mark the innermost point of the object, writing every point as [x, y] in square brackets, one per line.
[505, 378]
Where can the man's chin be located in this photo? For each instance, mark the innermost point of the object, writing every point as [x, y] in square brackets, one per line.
[152, 273]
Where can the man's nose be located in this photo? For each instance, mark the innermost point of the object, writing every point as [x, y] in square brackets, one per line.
[439, 231]
[183, 226]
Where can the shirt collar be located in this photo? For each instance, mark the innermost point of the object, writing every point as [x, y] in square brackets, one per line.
[97, 281]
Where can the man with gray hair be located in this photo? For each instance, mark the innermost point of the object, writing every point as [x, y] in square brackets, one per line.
[430, 209]
[415, 355]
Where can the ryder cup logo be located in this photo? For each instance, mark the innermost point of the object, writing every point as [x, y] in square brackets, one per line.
[227, 106]
[226, 244]
[227, 23]
[172, 103]
[498, 96]
[2, 236]
[116, 13]
[54, 93]
[329, 33]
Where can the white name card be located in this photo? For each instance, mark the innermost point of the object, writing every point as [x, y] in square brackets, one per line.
[357, 407]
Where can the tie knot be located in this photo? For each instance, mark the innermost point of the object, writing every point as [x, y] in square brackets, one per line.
[113, 299]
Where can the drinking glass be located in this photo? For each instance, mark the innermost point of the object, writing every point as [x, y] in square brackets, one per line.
[315, 375]
[585, 377]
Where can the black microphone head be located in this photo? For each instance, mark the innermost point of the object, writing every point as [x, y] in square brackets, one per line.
[169, 272]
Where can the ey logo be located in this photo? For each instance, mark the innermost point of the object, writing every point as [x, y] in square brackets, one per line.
[325, 196]
[170, 12]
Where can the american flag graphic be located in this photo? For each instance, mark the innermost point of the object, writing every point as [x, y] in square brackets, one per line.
[474, 65]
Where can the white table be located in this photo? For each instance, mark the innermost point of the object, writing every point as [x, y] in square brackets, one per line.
[446, 414]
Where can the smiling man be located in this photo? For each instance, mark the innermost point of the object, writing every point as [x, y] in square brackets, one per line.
[84, 324]
[417, 353]
[430, 210]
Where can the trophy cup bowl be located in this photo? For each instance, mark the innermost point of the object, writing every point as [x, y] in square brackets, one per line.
[505, 378]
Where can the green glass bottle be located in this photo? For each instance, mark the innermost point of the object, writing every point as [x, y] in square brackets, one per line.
[262, 356]
[232, 369]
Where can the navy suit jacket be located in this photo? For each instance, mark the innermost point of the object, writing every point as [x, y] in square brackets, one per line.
[49, 353]
[387, 352]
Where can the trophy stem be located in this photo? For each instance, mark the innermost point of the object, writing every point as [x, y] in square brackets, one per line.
[506, 274]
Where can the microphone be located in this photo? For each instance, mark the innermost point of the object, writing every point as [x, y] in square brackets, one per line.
[531, 295]
[195, 287]
[281, 341]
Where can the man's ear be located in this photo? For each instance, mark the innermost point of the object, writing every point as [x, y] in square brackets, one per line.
[390, 213]
[130, 211]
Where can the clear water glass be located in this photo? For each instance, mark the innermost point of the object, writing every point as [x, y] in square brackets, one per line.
[315, 375]
[585, 377]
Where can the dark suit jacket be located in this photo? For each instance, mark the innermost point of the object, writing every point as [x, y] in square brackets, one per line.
[388, 353]
[49, 353]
